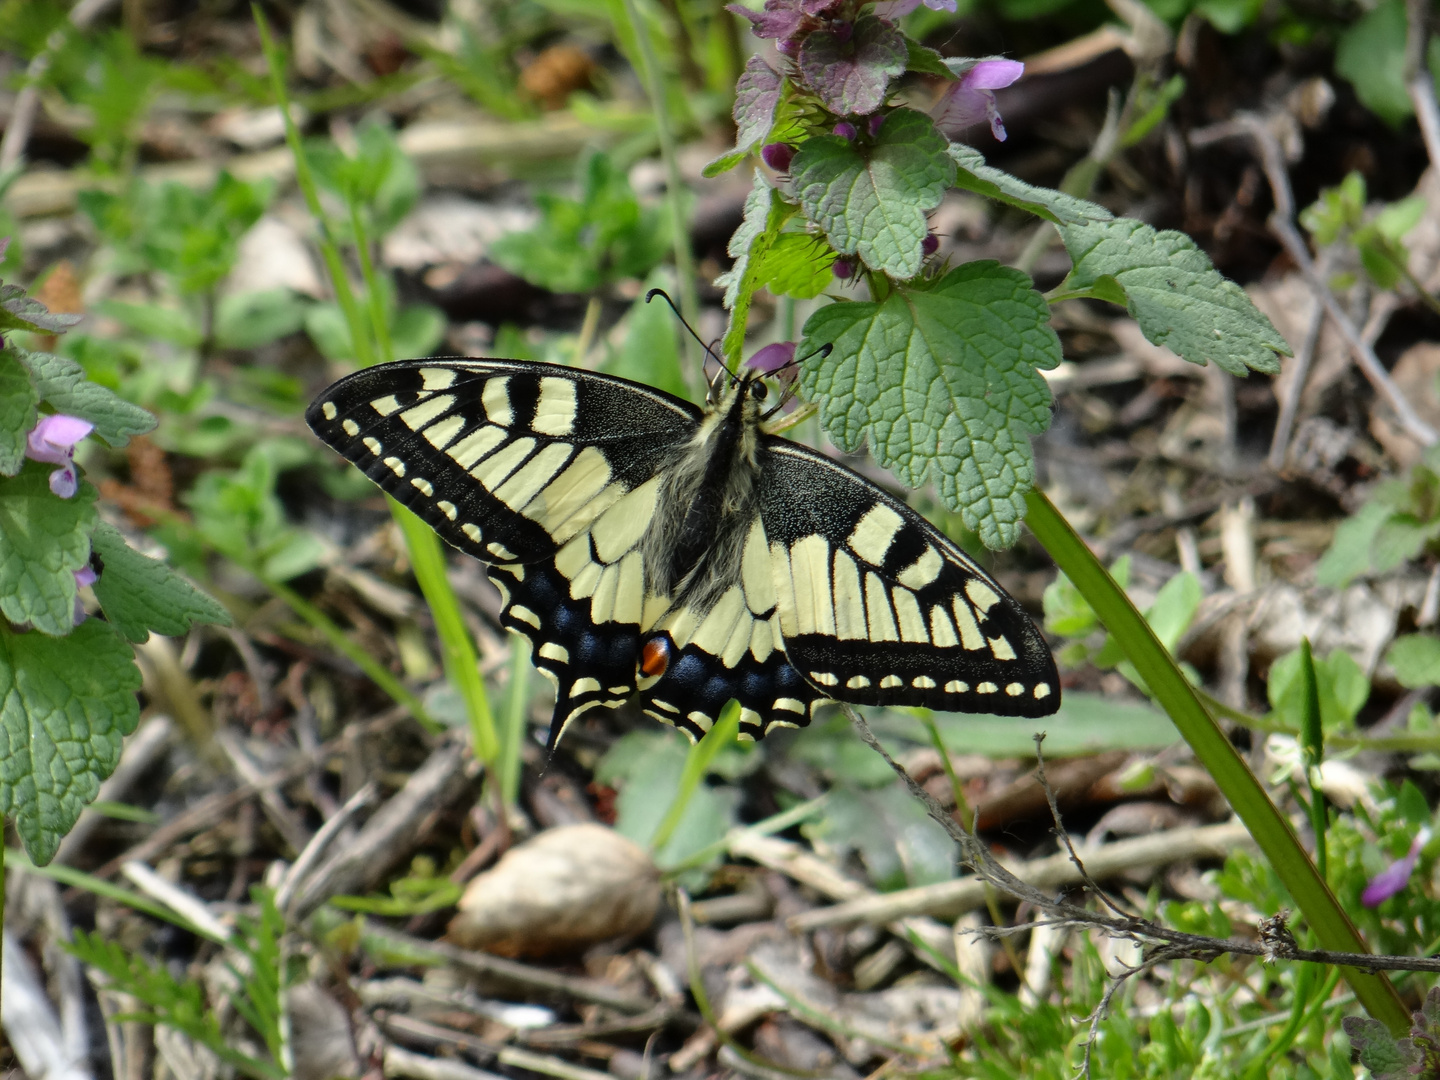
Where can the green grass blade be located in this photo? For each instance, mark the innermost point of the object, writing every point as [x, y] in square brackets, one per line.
[1326, 918]
[1312, 741]
[462, 665]
[697, 762]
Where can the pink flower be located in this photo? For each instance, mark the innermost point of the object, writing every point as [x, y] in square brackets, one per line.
[773, 356]
[84, 577]
[971, 98]
[53, 440]
[898, 9]
[1395, 876]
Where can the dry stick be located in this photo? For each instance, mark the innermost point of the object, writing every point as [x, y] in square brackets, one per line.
[1419, 81]
[576, 986]
[1180, 944]
[1290, 407]
[1272, 159]
[319, 844]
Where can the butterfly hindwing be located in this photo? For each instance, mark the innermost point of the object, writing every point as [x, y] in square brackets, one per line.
[878, 607]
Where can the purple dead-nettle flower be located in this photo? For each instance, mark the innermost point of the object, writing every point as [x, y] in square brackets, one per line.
[843, 269]
[929, 245]
[846, 130]
[53, 441]
[774, 356]
[778, 155]
[970, 99]
[1395, 876]
[898, 9]
[85, 576]
[874, 124]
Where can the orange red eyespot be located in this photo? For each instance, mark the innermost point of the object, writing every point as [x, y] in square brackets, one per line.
[655, 657]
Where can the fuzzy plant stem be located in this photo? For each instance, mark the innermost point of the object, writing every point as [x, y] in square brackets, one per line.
[1271, 830]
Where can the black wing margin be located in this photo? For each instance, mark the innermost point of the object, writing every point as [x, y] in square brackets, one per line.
[878, 608]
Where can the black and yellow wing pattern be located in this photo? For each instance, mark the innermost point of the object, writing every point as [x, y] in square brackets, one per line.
[644, 545]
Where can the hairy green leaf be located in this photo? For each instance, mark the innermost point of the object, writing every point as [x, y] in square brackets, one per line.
[62, 384]
[1179, 299]
[20, 312]
[17, 412]
[65, 704]
[943, 384]
[973, 174]
[1379, 1051]
[44, 539]
[140, 594]
[796, 264]
[756, 95]
[871, 200]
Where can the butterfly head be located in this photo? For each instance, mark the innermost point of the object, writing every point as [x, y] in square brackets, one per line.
[726, 389]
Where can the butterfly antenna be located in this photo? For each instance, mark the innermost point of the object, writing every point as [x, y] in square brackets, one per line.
[708, 350]
[789, 391]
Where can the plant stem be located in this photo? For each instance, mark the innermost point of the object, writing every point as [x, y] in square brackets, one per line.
[1271, 830]
[462, 665]
[697, 761]
[674, 185]
[305, 181]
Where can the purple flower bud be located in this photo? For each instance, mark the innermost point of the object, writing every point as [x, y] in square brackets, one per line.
[53, 441]
[1395, 876]
[929, 245]
[842, 31]
[971, 98]
[875, 123]
[777, 155]
[788, 47]
[773, 356]
[84, 576]
[846, 130]
[844, 269]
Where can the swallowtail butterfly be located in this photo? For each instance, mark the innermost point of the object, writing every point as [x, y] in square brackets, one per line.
[646, 545]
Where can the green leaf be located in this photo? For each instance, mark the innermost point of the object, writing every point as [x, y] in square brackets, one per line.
[249, 320]
[942, 383]
[44, 539]
[62, 384]
[1174, 608]
[891, 832]
[1177, 297]
[1416, 659]
[65, 703]
[973, 174]
[21, 312]
[650, 352]
[1371, 55]
[1341, 683]
[141, 594]
[17, 412]
[925, 61]
[417, 330]
[1379, 1052]
[872, 200]
[796, 264]
[1349, 554]
[174, 325]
